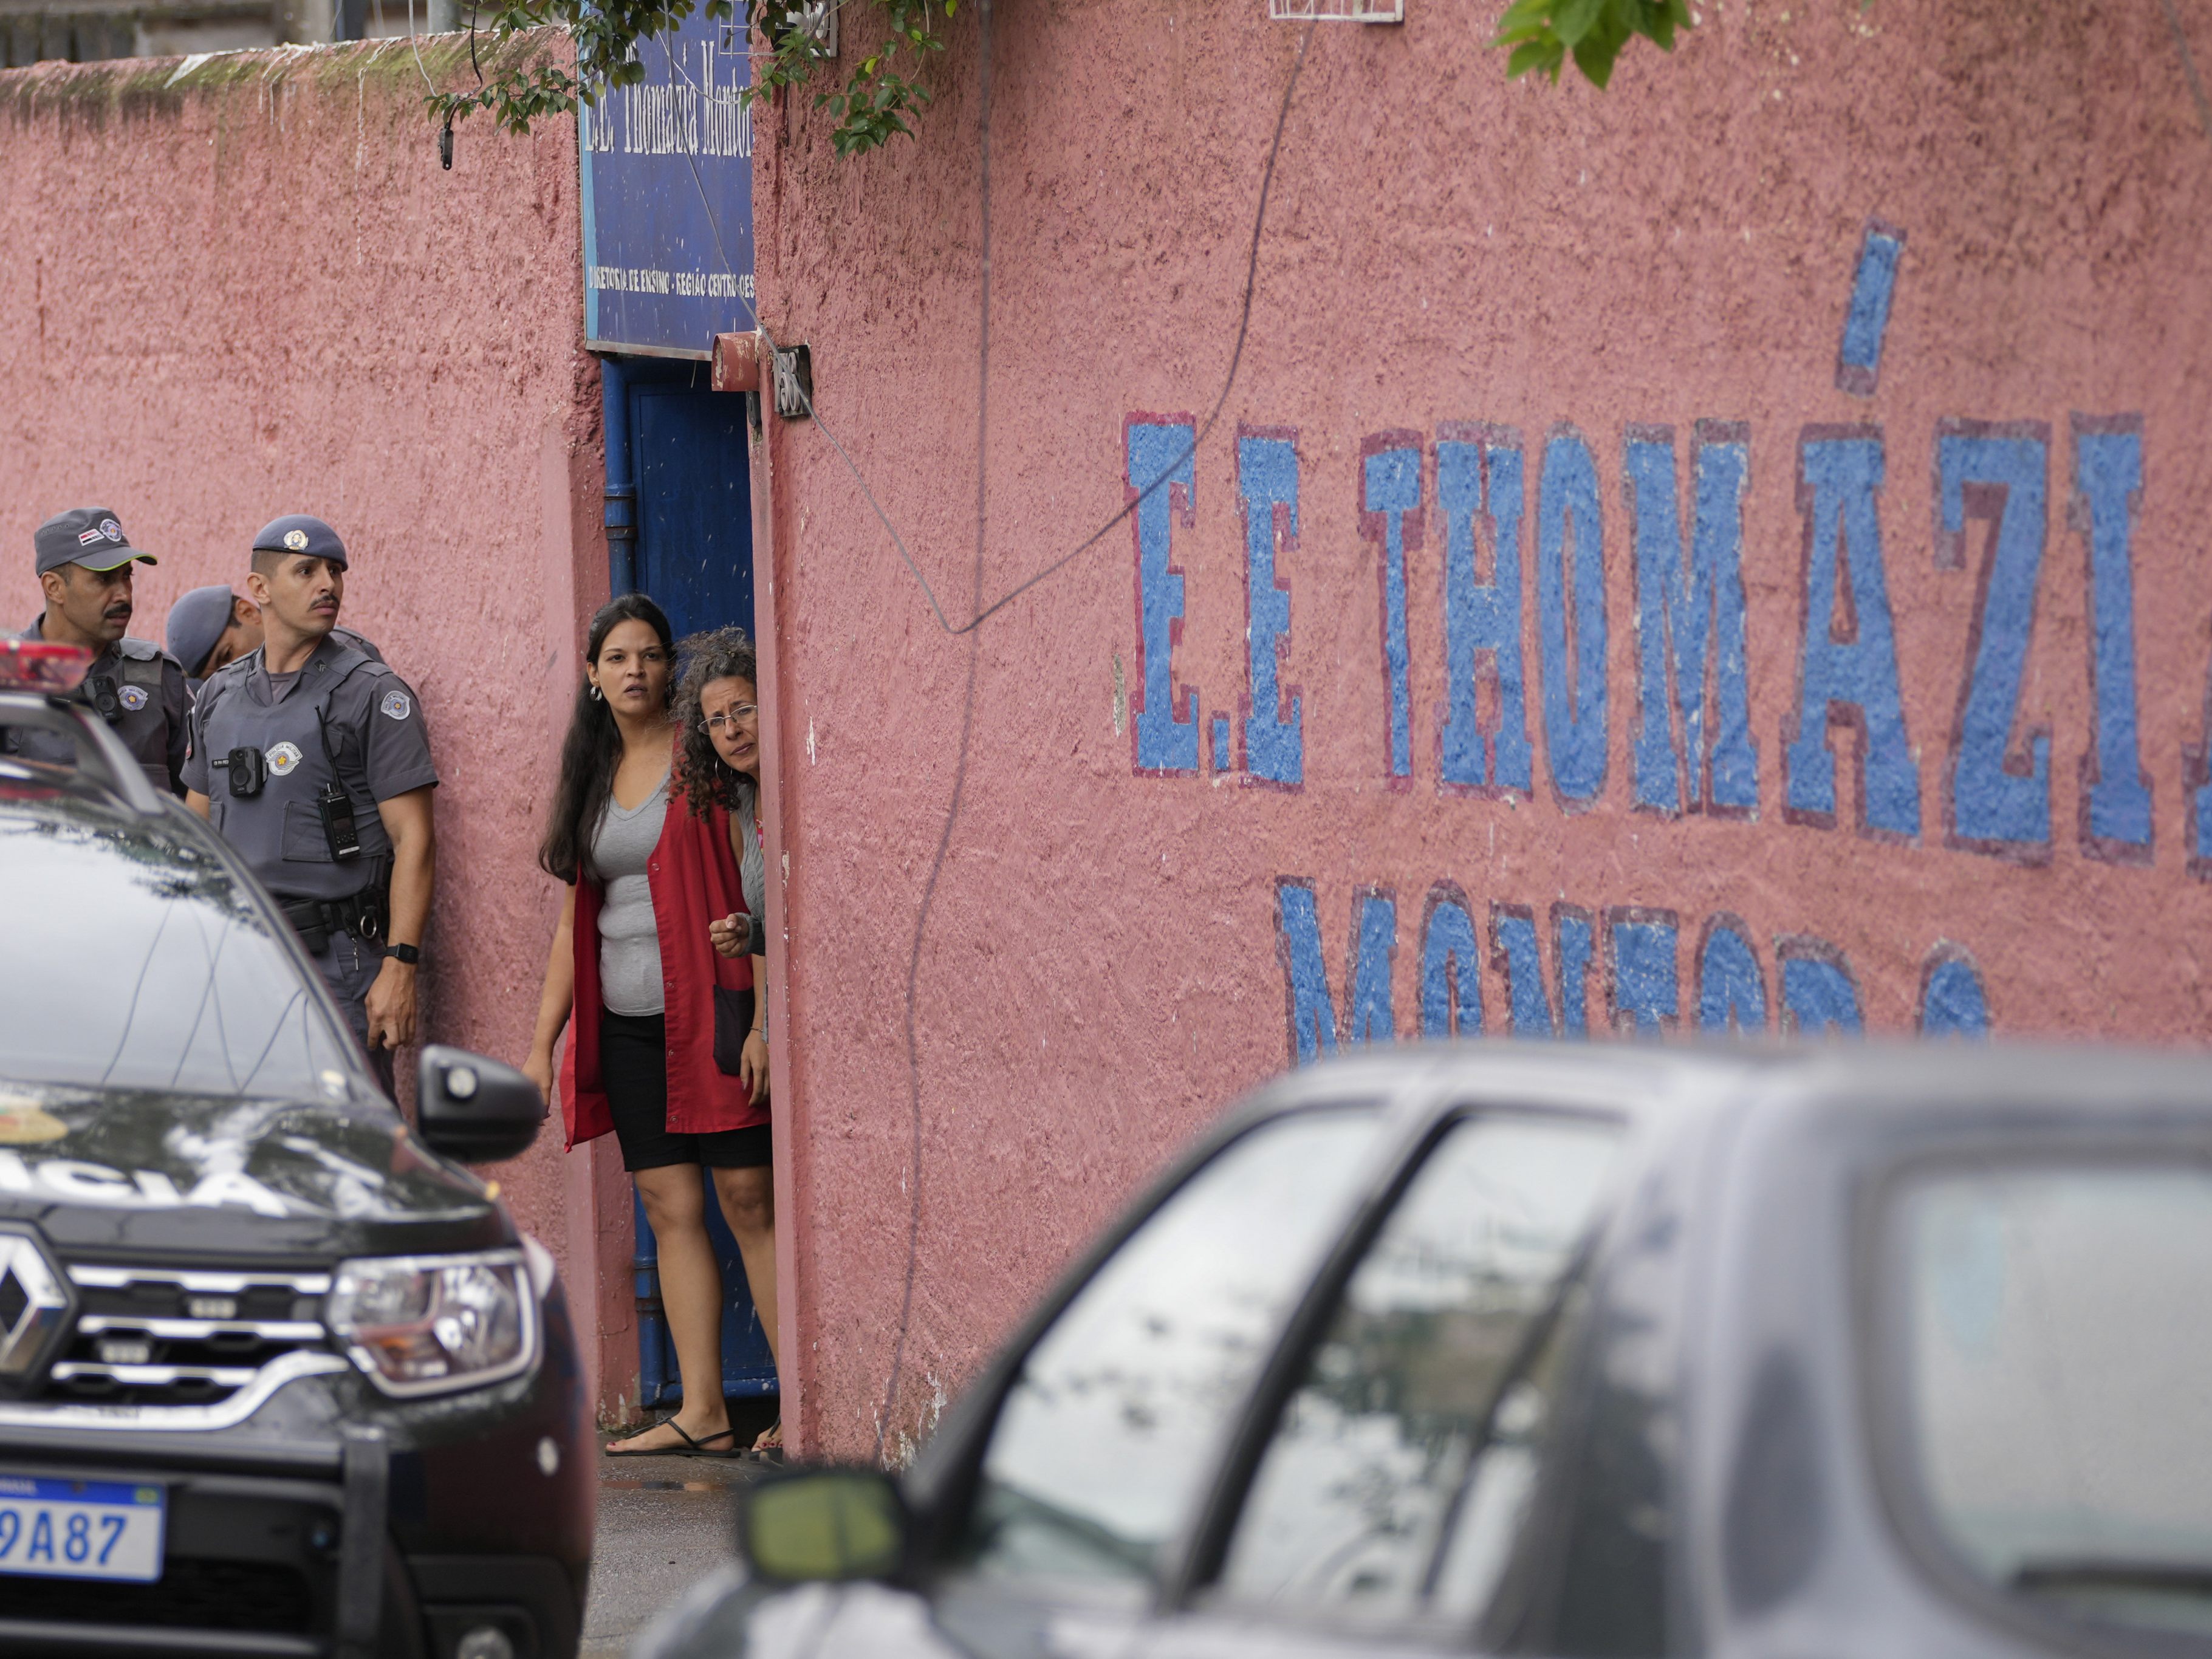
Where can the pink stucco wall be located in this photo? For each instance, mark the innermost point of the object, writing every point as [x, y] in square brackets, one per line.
[244, 288]
[1105, 959]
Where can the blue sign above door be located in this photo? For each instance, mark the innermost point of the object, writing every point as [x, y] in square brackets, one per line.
[668, 196]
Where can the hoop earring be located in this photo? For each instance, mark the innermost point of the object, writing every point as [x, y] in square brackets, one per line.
[596, 697]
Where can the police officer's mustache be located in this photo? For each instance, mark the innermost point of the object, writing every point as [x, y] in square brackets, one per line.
[120, 611]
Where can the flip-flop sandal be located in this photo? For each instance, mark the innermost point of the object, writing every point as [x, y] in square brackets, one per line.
[690, 1448]
[771, 1450]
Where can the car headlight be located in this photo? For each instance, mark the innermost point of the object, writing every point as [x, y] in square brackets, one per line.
[432, 1324]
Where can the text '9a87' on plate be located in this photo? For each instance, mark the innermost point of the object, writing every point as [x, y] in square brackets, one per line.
[80, 1529]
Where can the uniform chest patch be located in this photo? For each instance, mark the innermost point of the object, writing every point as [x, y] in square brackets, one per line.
[396, 706]
[132, 697]
[283, 758]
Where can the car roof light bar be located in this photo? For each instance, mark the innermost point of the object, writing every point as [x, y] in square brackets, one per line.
[42, 666]
[52, 672]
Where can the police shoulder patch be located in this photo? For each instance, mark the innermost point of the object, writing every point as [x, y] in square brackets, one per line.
[282, 758]
[397, 705]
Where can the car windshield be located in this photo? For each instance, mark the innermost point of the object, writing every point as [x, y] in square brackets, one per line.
[2058, 1333]
[133, 959]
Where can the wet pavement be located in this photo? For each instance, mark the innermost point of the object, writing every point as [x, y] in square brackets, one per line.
[664, 1522]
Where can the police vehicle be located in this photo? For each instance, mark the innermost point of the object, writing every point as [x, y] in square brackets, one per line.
[277, 1375]
[1588, 1353]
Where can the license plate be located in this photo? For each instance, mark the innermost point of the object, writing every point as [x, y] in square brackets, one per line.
[80, 1528]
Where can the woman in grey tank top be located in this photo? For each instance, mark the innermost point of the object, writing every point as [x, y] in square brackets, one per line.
[629, 939]
[717, 709]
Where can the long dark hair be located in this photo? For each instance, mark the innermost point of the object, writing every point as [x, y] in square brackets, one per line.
[721, 653]
[592, 748]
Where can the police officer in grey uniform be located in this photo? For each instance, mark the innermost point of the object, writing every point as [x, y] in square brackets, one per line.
[311, 759]
[212, 626]
[84, 565]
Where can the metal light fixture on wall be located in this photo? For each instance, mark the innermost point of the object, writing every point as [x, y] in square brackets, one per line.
[819, 20]
[1338, 11]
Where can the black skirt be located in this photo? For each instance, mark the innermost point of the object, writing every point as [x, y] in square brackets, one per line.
[634, 1066]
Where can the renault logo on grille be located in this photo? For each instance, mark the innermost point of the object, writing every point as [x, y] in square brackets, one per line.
[35, 1304]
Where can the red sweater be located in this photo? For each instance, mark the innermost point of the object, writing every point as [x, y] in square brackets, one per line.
[693, 876]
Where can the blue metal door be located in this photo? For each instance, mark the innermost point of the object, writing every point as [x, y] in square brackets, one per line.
[747, 1365]
[685, 447]
[694, 523]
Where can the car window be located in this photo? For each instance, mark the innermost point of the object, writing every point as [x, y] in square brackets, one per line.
[1401, 1465]
[2057, 1326]
[130, 958]
[1103, 1441]
[1482, 1530]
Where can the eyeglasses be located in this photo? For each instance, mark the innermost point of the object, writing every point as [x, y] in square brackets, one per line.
[743, 712]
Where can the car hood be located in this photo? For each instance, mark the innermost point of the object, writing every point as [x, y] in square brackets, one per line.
[138, 1172]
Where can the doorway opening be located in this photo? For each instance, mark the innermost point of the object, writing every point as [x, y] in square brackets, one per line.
[679, 518]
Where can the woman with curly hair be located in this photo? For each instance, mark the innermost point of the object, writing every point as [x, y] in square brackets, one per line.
[718, 715]
[658, 1053]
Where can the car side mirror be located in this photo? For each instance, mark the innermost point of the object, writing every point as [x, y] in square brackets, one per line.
[824, 1524]
[472, 1109]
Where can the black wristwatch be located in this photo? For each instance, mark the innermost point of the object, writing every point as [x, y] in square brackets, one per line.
[405, 955]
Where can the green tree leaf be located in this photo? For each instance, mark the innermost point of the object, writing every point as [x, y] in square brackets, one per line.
[1573, 18]
[869, 111]
[1542, 56]
[1543, 32]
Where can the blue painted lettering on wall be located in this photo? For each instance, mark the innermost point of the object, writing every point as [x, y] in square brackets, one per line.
[1451, 967]
[1268, 480]
[1698, 613]
[1692, 750]
[2107, 484]
[1816, 989]
[2196, 774]
[1375, 951]
[1731, 990]
[1392, 504]
[2201, 804]
[1570, 617]
[1858, 359]
[1847, 667]
[1576, 941]
[1166, 736]
[1645, 995]
[1996, 474]
[1482, 620]
[1312, 1010]
[1514, 954]
[1952, 1001]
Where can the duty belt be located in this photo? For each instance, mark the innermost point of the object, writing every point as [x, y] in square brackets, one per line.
[362, 914]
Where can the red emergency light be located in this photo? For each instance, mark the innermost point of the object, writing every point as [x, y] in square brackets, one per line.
[42, 666]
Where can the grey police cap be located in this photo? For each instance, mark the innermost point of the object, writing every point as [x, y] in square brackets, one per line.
[197, 622]
[299, 533]
[90, 536]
